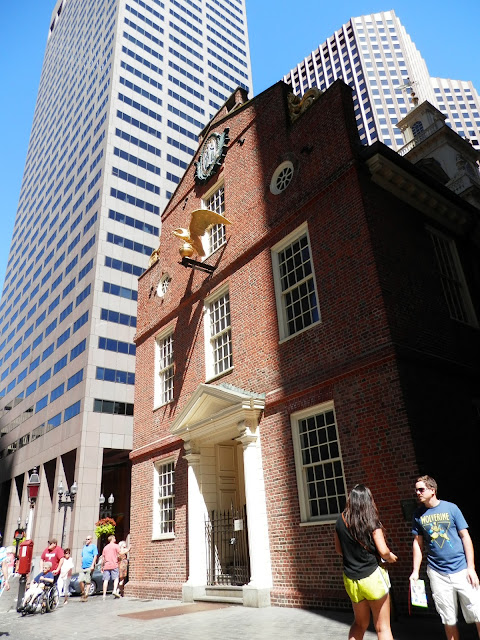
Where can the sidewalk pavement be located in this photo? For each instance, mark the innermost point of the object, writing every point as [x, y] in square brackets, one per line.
[135, 619]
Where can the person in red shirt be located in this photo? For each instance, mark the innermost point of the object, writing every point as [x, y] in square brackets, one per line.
[110, 566]
[53, 554]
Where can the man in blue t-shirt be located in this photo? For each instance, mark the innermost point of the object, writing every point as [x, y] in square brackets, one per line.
[89, 558]
[440, 525]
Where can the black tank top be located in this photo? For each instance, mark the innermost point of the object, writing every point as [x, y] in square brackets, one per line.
[358, 563]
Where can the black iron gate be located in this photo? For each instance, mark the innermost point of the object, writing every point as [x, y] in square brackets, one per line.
[227, 547]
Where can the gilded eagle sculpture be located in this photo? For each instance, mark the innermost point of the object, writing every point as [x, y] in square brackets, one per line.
[201, 220]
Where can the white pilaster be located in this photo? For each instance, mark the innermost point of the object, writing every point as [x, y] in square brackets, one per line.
[257, 592]
[197, 560]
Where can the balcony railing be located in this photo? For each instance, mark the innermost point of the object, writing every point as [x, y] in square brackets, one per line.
[423, 135]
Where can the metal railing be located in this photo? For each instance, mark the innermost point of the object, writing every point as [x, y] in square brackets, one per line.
[426, 133]
[227, 548]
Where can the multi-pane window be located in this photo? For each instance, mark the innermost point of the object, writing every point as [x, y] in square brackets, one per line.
[453, 280]
[216, 235]
[164, 505]
[320, 477]
[111, 406]
[165, 370]
[219, 345]
[297, 303]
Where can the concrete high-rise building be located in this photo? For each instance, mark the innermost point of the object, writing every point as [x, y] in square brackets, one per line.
[125, 88]
[375, 55]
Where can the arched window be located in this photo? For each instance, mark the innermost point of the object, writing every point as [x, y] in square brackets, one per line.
[417, 127]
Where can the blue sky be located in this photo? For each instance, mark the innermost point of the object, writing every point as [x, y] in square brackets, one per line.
[282, 33]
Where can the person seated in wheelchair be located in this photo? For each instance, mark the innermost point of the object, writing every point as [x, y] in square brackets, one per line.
[43, 580]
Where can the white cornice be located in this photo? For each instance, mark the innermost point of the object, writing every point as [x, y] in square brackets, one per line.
[417, 194]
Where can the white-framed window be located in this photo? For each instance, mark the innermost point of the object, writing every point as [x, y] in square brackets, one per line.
[218, 334]
[320, 477]
[295, 287]
[282, 177]
[163, 285]
[164, 499]
[417, 128]
[164, 369]
[452, 277]
[215, 201]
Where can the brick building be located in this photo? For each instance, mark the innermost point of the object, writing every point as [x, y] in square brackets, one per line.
[334, 340]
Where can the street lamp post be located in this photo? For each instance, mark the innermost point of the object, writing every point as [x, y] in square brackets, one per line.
[66, 499]
[19, 535]
[33, 486]
[32, 491]
[106, 509]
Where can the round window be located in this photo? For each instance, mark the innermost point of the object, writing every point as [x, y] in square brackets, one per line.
[163, 285]
[282, 177]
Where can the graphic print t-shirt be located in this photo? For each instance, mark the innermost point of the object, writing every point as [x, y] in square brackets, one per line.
[52, 556]
[439, 527]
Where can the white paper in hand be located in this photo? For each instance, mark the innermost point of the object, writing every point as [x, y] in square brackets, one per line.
[418, 594]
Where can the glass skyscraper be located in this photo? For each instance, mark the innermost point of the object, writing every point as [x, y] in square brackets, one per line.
[375, 55]
[126, 86]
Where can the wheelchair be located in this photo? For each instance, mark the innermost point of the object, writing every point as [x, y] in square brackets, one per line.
[43, 602]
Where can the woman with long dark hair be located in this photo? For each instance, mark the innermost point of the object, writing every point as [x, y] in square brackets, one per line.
[360, 540]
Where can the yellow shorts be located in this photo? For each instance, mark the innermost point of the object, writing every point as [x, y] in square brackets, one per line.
[373, 587]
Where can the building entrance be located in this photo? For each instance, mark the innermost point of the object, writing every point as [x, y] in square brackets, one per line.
[227, 547]
[226, 522]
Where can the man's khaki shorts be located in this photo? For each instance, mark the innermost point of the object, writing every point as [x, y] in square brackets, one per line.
[85, 575]
[446, 588]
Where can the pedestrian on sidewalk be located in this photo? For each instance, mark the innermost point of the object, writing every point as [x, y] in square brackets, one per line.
[440, 527]
[122, 566]
[360, 540]
[89, 559]
[53, 554]
[110, 566]
[66, 571]
[3, 567]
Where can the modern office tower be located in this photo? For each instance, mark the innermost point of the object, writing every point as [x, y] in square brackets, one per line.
[125, 88]
[375, 55]
[460, 102]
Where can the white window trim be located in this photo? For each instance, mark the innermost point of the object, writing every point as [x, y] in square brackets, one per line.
[469, 308]
[273, 182]
[275, 250]
[295, 418]
[206, 238]
[163, 285]
[157, 403]
[156, 535]
[209, 362]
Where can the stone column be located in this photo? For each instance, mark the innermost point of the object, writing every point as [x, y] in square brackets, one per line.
[197, 578]
[257, 592]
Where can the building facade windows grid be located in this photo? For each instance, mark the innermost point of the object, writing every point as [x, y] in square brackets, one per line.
[218, 357]
[216, 236]
[165, 370]
[318, 461]
[164, 500]
[54, 199]
[295, 288]
[453, 280]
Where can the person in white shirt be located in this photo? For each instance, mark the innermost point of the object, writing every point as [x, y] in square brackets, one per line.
[66, 571]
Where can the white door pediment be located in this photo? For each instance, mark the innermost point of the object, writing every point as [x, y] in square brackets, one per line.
[213, 410]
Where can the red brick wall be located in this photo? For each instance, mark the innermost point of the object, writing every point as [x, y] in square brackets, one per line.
[350, 357]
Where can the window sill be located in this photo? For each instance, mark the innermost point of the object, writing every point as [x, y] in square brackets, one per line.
[159, 406]
[219, 375]
[314, 523]
[294, 335]
[165, 536]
